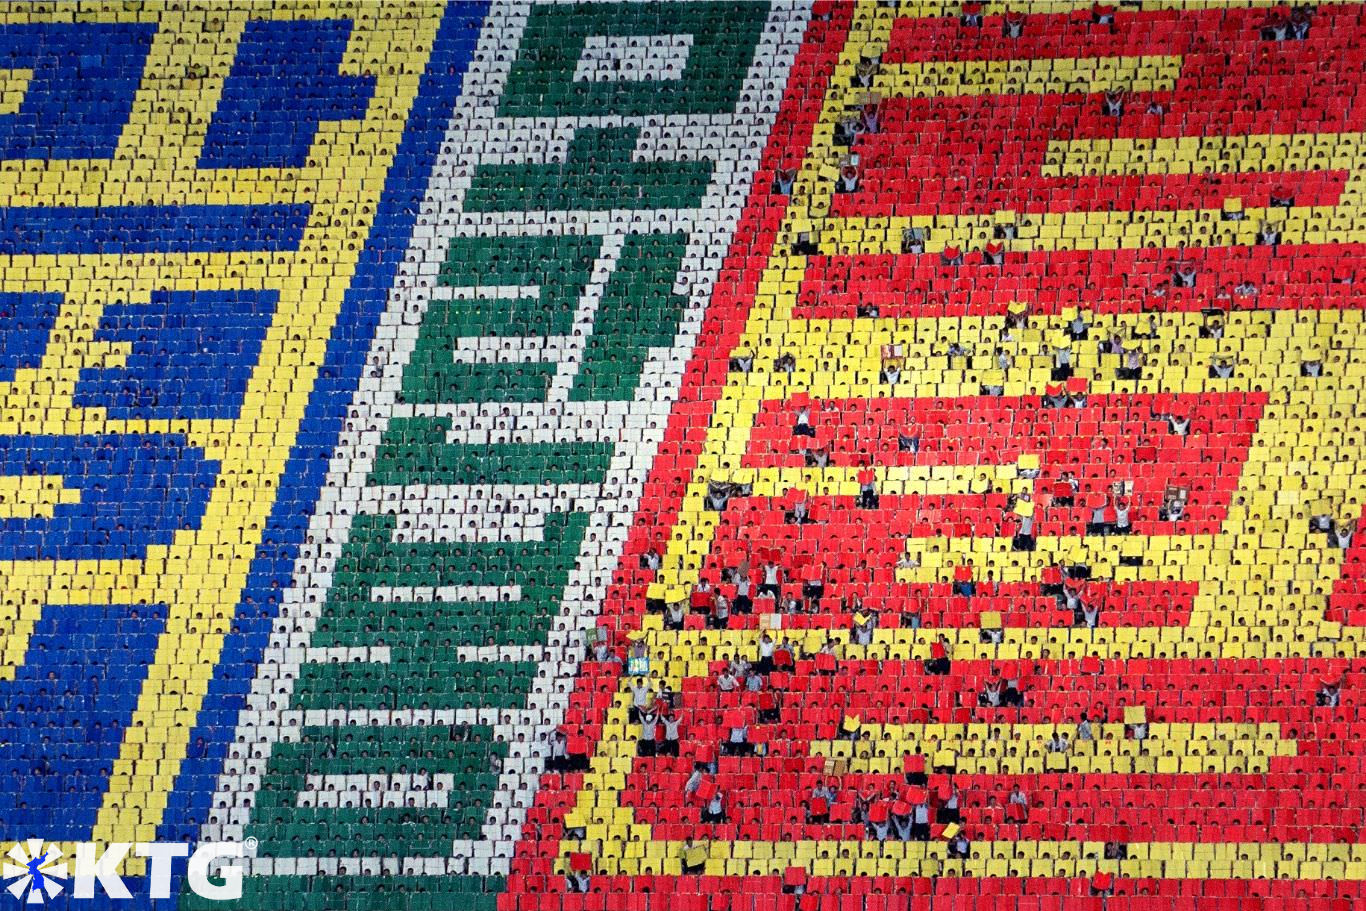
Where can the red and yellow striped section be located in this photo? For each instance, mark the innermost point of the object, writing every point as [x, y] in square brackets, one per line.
[1190, 188]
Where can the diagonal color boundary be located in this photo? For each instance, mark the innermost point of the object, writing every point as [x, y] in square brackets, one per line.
[364, 302]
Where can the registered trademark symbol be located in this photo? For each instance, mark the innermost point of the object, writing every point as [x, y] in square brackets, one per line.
[250, 844]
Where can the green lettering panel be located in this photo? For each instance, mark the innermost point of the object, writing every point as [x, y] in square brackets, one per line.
[598, 174]
[421, 681]
[361, 893]
[542, 84]
[429, 380]
[559, 266]
[540, 569]
[639, 311]
[415, 451]
[468, 754]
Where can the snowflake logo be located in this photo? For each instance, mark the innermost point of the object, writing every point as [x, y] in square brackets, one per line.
[35, 871]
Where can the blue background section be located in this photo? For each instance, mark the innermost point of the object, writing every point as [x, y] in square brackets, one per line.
[273, 567]
[296, 62]
[26, 320]
[192, 355]
[84, 78]
[125, 230]
[136, 490]
[84, 666]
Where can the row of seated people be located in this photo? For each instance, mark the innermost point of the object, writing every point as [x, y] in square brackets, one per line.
[902, 571]
[1166, 344]
[1283, 22]
[979, 692]
[729, 797]
[983, 279]
[838, 889]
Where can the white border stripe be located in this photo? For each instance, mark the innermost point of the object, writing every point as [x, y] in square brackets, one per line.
[636, 428]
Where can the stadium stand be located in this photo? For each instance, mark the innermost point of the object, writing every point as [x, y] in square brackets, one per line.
[717, 456]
